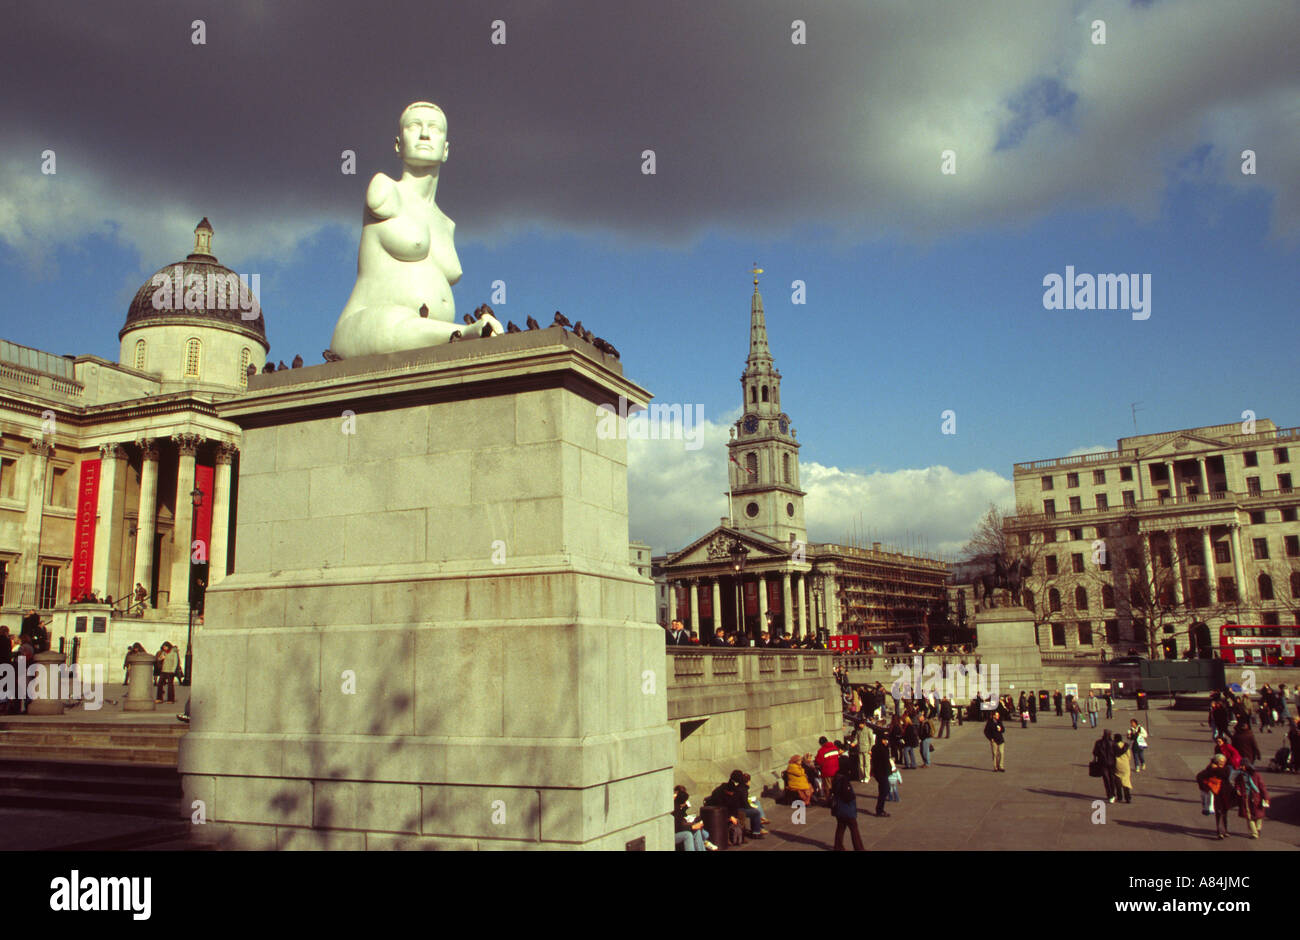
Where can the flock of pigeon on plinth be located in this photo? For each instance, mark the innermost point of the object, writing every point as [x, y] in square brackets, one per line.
[560, 320]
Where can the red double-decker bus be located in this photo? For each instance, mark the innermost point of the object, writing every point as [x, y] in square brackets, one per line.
[1258, 644]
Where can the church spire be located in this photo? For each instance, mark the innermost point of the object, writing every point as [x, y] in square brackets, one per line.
[758, 350]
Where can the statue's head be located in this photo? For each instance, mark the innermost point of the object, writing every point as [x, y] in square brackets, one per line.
[422, 135]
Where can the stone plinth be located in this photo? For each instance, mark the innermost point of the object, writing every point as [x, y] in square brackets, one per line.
[140, 686]
[48, 701]
[1006, 639]
[432, 637]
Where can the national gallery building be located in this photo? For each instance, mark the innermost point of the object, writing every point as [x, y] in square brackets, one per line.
[757, 571]
[110, 471]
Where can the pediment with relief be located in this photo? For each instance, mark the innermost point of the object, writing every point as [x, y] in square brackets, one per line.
[714, 548]
[1184, 445]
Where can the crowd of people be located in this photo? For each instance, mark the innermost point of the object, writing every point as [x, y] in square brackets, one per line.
[1231, 779]
[17, 651]
[676, 634]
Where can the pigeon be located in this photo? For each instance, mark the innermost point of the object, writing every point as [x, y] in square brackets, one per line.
[577, 329]
[330, 355]
[455, 337]
[297, 362]
[281, 367]
[468, 318]
[424, 311]
[605, 346]
[511, 328]
[269, 367]
[561, 319]
[533, 324]
[252, 369]
[485, 310]
[586, 334]
[487, 330]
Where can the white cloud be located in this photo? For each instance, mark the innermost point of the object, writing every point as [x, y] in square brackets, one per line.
[1090, 449]
[676, 495]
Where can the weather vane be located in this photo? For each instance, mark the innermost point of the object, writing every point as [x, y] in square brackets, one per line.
[756, 272]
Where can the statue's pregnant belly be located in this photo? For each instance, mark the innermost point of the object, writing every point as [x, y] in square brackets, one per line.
[411, 279]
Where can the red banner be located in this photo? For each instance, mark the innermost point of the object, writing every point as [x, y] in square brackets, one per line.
[83, 546]
[203, 514]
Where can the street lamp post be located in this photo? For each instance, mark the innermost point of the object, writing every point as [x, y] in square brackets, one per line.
[196, 498]
[819, 610]
[738, 555]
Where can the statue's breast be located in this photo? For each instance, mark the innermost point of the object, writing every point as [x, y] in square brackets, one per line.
[405, 237]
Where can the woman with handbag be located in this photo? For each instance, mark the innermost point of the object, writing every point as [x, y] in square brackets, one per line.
[1217, 795]
[1137, 735]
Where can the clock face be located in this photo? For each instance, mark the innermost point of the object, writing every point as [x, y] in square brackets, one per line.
[751, 424]
[785, 426]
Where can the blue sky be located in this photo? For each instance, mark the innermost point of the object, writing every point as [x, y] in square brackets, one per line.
[924, 290]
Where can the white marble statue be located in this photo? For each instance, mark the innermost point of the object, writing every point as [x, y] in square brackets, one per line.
[407, 261]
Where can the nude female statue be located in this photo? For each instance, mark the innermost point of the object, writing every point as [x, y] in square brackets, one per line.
[407, 261]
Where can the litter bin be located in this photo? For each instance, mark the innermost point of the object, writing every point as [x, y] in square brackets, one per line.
[1141, 700]
[716, 822]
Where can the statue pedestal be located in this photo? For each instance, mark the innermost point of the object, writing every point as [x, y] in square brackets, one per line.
[1006, 639]
[433, 637]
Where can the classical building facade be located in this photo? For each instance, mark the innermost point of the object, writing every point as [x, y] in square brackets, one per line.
[114, 474]
[1202, 521]
[757, 571]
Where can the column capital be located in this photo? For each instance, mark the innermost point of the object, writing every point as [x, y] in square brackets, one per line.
[42, 448]
[188, 444]
[111, 451]
[226, 452]
[148, 447]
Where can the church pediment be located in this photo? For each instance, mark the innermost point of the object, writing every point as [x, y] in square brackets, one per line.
[1184, 445]
[714, 548]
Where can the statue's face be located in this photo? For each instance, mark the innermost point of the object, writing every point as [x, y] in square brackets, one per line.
[423, 139]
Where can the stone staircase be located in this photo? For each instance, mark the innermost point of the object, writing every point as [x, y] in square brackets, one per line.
[120, 768]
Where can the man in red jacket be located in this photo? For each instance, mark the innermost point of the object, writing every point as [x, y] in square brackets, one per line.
[828, 764]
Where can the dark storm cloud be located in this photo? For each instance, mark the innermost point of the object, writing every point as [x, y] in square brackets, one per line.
[750, 131]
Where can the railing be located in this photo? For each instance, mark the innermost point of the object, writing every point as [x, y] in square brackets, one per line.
[692, 666]
[18, 375]
[1259, 437]
[1077, 461]
[1224, 498]
[865, 662]
[874, 554]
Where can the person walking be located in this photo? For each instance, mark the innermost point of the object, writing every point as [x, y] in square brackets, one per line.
[1217, 796]
[911, 741]
[844, 807]
[994, 731]
[1024, 711]
[1033, 709]
[1094, 706]
[945, 718]
[1137, 735]
[924, 732]
[1057, 698]
[881, 768]
[1073, 705]
[1243, 739]
[1123, 763]
[1103, 764]
[1110, 705]
[1252, 799]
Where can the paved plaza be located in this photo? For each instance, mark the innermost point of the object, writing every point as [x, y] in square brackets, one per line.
[1045, 799]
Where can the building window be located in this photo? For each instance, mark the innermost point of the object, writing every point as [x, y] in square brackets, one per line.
[753, 394]
[1222, 553]
[4, 576]
[1265, 588]
[1284, 482]
[1076, 535]
[751, 510]
[1076, 561]
[1099, 477]
[1107, 597]
[1295, 584]
[1076, 504]
[1289, 514]
[1292, 546]
[785, 467]
[193, 355]
[8, 478]
[1112, 631]
[1228, 590]
[1126, 474]
[751, 464]
[1252, 486]
[1270, 618]
[1080, 599]
[1129, 499]
[79, 625]
[139, 355]
[1047, 483]
[1085, 633]
[1261, 548]
[764, 393]
[1049, 535]
[1281, 455]
[1054, 600]
[1049, 507]
[49, 587]
[1102, 502]
[1028, 596]
[1251, 458]
[245, 360]
[1257, 518]
[1051, 565]
[1058, 634]
[58, 491]
[1071, 479]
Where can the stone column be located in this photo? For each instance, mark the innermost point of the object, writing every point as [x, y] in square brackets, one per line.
[139, 683]
[695, 609]
[218, 551]
[717, 606]
[1239, 567]
[1173, 486]
[1178, 566]
[1149, 558]
[182, 530]
[1207, 545]
[787, 605]
[1205, 475]
[830, 605]
[108, 527]
[147, 518]
[28, 590]
[803, 605]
